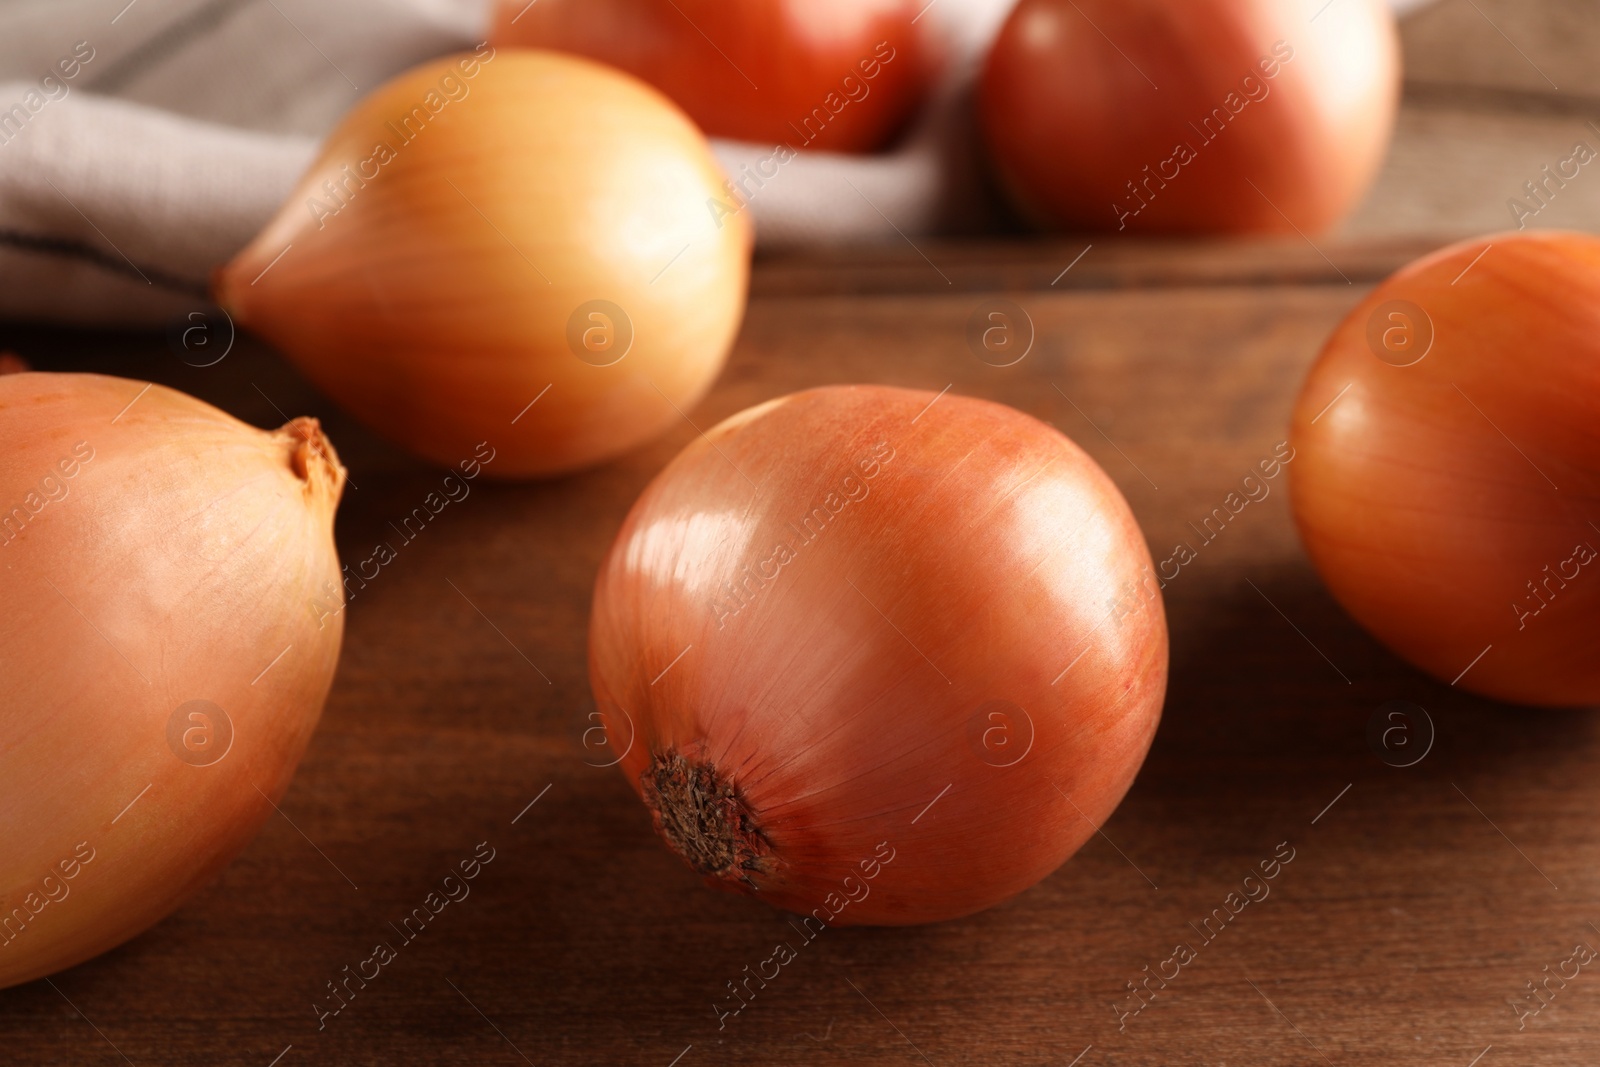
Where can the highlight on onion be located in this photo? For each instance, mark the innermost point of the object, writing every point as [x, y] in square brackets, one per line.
[1197, 116]
[878, 656]
[1447, 473]
[836, 75]
[172, 623]
[505, 246]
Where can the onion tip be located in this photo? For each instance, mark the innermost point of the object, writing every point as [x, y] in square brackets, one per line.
[312, 458]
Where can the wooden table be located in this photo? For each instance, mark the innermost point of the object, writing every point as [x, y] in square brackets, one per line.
[1419, 902]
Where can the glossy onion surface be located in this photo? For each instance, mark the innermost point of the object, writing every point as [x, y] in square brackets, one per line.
[839, 75]
[1191, 115]
[171, 627]
[876, 661]
[498, 230]
[1447, 479]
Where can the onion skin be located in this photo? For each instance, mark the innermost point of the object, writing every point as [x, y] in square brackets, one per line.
[435, 304]
[752, 70]
[990, 544]
[193, 545]
[1426, 494]
[1071, 121]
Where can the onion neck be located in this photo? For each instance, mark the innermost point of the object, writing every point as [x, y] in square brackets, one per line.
[313, 460]
[699, 812]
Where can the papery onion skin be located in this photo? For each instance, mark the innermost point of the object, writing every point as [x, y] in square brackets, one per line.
[1430, 495]
[987, 558]
[437, 303]
[1079, 97]
[179, 563]
[753, 70]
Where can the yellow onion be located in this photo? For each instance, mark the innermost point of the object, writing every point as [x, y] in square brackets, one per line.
[878, 656]
[831, 75]
[1447, 484]
[171, 627]
[513, 246]
[1191, 116]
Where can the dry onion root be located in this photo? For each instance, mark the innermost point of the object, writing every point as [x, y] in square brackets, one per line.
[879, 667]
[164, 664]
[508, 246]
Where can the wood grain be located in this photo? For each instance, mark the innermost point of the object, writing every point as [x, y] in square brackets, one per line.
[1495, 91]
[1067, 264]
[1395, 937]
[1543, 47]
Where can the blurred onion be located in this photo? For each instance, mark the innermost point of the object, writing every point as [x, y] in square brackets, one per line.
[834, 75]
[1191, 115]
[1447, 479]
[508, 247]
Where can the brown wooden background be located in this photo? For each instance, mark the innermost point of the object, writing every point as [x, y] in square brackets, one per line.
[1417, 906]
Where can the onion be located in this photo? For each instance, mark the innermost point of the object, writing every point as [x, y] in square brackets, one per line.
[878, 659]
[1191, 115]
[840, 75]
[1447, 479]
[491, 227]
[171, 629]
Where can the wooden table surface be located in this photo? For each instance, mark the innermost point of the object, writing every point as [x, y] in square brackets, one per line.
[1419, 902]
